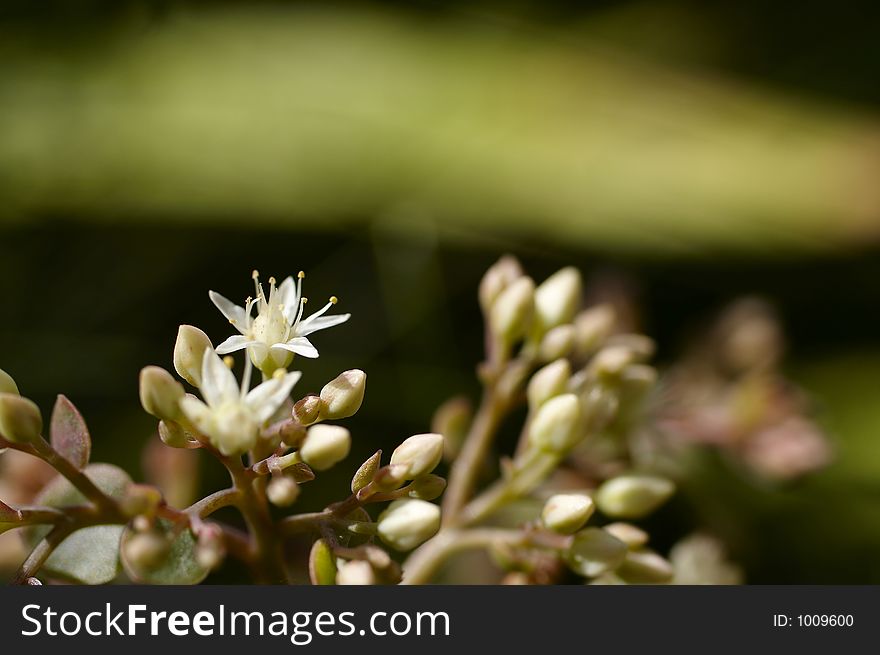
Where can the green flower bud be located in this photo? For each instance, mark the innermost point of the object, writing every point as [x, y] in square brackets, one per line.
[592, 327]
[548, 382]
[324, 446]
[594, 552]
[189, 352]
[7, 384]
[428, 487]
[366, 472]
[357, 572]
[512, 311]
[160, 393]
[20, 420]
[633, 496]
[499, 276]
[308, 409]
[282, 491]
[452, 419]
[628, 533]
[408, 522]
[390, 477]
[555, 426]
[645, 567]
[145, 550]
[420, 454]
[558, 342]
[567, 513]
[342, 397]
[172, 434]
[558, 297]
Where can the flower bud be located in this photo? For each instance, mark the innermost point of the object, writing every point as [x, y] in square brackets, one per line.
[140, 499]
[512, 311]
[160, 393]
[308, 409]
[644, 566]
[558, 342]
[172, 434]
[428, 487]
[390, 477]
[592, 326]
[633, 496]
[452, 419]
[189, 352]
[210, 549]
[611, 361]
[324, 446]
[408, 522]
[548, 382]
[357, 572]
[555, 426]
[7, 384]
[367, 471]
[499, 276]
[594, 552]
[420, 454]
[342, 397]
[567, 513]
[145, 550]
[282, 491]
[20, 420]
[558, 297]
[628, 533]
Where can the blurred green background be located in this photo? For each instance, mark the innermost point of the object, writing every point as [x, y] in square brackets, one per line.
[150, 151]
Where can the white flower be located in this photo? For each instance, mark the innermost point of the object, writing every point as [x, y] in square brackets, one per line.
[278, 330]
[232, 416]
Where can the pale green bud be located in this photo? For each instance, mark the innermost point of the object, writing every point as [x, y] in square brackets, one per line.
[558, 297]
[592, 327]
[420, 454]
[160, 393]
[633, 496]
[189, 353]
[357, 572]
[366, 472]
[628, 533]
[144, 551]
[324, 446]
[558, 342]
[567, 513]
[342, 397]
[282, 491]
[644, 566]
[408, 522]
[307, 410]
[172, 434]
[512, 311]
[594, 552]
[428, 487]
[499, 276]
[7, 384]
[611, 361]
[547, 382]
[390, 477]
[452, 419]
[555, 426]
[20, 420]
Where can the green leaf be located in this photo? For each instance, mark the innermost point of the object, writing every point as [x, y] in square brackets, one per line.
[178, 567]
[322, 564]
[595, 552]
[90, 555]
[69, 434]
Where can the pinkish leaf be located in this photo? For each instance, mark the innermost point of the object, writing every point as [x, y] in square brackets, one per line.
[69, 434]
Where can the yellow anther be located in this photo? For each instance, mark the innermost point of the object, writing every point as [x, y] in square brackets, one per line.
[232, 321]
[279, 373]
[304, 300]
[334, 299]
[255, 274]
[301, 275]
[271, 280]
[229, 361]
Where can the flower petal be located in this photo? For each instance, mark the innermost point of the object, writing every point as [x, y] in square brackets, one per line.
[233, 343]
[218, 382]
[197, 412]
[310, 325]
[288, 297]
[265, 399]
[236, 315]
[300, 346]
